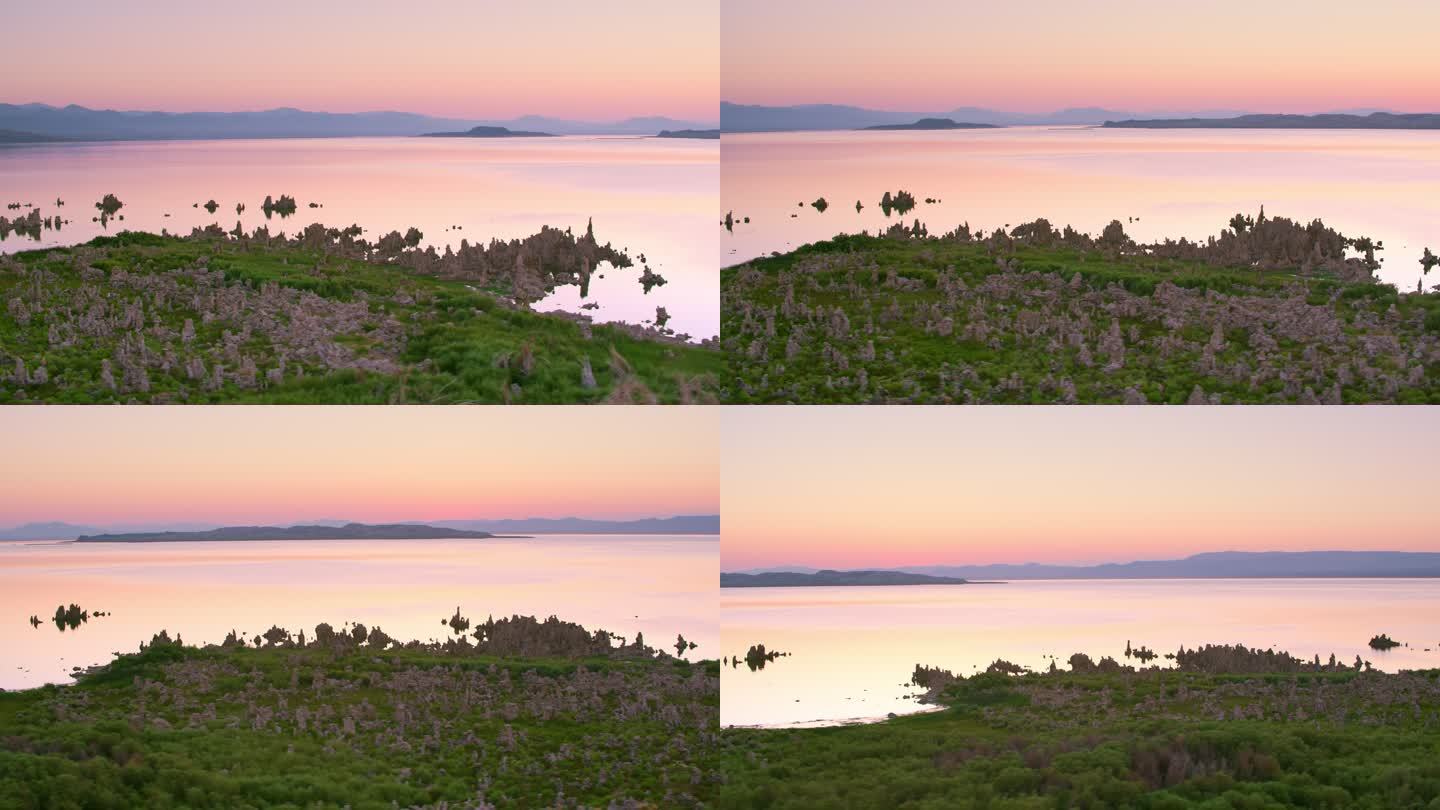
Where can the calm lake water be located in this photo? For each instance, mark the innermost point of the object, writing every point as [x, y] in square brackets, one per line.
[653, 196]
[660, 586]
[1175, 183]
[853, 648]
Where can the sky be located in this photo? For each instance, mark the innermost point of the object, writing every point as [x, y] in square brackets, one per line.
[465, 58]
[1042, 55]
[244, 465]
[881, 487]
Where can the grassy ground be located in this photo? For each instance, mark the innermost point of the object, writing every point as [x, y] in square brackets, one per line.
[1145, 740]
[292, 727]
[107, 323]
[868, 319]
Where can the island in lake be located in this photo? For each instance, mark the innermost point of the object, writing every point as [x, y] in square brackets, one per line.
[17, 136]
[699, 134]
[489, 132]
[789, 579]
[931, 123]
[1379, 120]
[350, 531]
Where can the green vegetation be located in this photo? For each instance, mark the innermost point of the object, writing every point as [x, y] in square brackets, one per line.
[1154, 738]
[323, 318]
[345, 721]
[1273, 313]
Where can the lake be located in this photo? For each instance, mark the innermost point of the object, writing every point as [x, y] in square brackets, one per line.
[659, 585]
[854, 647]
[652, 196]
[1174, 183]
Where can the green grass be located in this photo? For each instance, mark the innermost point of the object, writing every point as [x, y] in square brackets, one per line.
[1362, 341]
[1141, 740]
[290, 727]
[411, 338]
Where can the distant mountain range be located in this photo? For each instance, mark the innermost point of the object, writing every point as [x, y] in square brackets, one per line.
[350, 531]
[756, 118]
[1214, 565]
[1377, 120]
[683, 524]
[833, 578]
[81, 123]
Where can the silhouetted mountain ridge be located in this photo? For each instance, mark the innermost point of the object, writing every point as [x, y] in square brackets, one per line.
[760, 118]
[679, 524]
[74, 122]
[1209, 565]
[828, 577]
[350, 531]
[1374, 120]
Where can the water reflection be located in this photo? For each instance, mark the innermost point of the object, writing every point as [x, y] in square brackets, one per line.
[660, 586]
[855, 649]
[1163, 184]
[647, 195]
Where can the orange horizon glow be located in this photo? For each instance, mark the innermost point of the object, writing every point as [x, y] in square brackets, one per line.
[1046, 55]
[246, 465]
[488, 60]
[856, 487]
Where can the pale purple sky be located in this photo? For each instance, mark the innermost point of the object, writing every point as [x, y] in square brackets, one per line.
[852, 487]
[1040, 55]
[565, 58]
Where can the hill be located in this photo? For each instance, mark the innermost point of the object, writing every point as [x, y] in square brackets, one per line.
[680, 524]
[1218, 565]
[489, 132]
[697, 134]
[331, 318]
[828, 577]
[931, 123]
[1272, 310]
[350, 531]
[1377, 120]
[520, 712]
[16, 136]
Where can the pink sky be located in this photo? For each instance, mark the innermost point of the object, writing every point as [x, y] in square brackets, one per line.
[858, 487]
[564, 58]
[1040, 55]
[270, 464]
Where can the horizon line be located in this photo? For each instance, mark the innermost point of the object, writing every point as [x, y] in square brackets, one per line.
[1074, 564]
[1064, 108]
[288, 107]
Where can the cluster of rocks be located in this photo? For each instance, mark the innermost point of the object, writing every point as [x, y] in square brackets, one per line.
[192, 330]
[189, 324]
[839, 326]
[1366, 697]
[511, 637]
[901, 202]
[31, 225]
[755, 658]
[69, 617]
